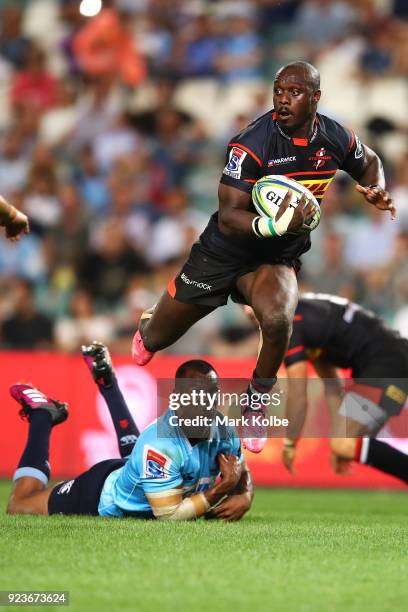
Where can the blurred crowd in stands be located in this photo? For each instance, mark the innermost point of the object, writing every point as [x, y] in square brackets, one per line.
[112, 140]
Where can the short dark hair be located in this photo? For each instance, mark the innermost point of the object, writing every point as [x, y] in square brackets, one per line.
[198, 366]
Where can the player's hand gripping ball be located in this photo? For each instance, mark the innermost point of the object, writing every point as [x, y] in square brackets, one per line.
[272, 193]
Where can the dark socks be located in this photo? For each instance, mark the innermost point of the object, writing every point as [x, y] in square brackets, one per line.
[34, 460]
[261, 385]
[385, 458]
[125, 427]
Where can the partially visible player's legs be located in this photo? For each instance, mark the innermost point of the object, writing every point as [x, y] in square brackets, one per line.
[99, 362]
[30, 494]
[163, 325]
[383, 457]
[360, 445]
[272, 292]
[369, 451]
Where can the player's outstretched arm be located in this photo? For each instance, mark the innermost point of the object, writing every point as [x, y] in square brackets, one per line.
[333, 387]
[371, 183]
[296, 410]
[334, 394]
[15, 222]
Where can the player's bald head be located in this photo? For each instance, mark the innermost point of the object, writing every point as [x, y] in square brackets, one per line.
[296, 94]
[302, 71]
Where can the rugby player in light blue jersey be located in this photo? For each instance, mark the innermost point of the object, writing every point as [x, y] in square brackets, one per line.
[169, 471]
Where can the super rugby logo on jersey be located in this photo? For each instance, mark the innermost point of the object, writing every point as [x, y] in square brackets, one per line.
[234, 166]
[320, 158]
[156, 464]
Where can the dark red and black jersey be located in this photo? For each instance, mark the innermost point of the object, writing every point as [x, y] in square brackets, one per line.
[263, 148]
[338, 332]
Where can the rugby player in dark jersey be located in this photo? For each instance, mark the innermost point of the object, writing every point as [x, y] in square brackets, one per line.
[238, 255]
[332, 333]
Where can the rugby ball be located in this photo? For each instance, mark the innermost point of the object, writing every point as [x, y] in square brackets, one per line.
[268, 194]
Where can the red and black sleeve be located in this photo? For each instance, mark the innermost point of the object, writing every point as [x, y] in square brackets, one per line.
[354, 157]
[243, 165]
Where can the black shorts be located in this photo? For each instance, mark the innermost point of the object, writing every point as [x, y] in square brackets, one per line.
[81, 495]
[209, 276]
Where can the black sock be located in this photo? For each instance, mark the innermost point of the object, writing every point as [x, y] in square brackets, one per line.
[125, 427]
[259, 385]
[387, 459]
[34, 460]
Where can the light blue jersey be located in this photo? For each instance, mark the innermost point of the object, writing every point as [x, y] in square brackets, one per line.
[163, 459]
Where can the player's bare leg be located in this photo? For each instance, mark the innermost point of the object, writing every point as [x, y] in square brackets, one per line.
[361, 446]
[30, 494]
[163, 325]
[272, 292]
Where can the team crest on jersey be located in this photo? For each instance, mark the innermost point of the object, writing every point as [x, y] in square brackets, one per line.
[320, 158]
[156, 464]
[234, 166]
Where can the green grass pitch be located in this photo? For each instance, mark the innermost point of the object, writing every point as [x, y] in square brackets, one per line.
[298, 550]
